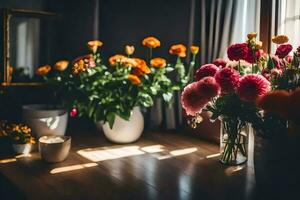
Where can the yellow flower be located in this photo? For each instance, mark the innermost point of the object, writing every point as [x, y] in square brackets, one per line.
[129, 50]
[81, 63]
[251, 35]
[151, 42]
[61, 65]
[178, 49]
[194, 49]
[280, 39]
[134, 79]
[258, 44]
[43, 70]
[158, 62]
[94, 44]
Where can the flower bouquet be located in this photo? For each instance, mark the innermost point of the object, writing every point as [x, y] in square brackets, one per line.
[229, 89]
[105, 91]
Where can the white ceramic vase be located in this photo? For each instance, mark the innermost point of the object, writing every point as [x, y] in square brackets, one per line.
[124, 131]
[22, 148]
[45, 119]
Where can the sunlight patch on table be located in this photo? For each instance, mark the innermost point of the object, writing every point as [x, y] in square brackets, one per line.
[72, 168]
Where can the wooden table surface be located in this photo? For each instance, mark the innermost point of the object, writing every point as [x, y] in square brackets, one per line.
[159, 166]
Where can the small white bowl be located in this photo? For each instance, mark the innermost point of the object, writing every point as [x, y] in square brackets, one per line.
[54, 148]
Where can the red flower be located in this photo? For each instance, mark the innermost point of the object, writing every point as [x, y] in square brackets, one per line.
[192, 100]
[252, 86]
[228, 79]
[209, 87]
[266, 73]
[277, 62]
[298, 51]
[250, 58]
[283, 50]
[206, 70]
[220, 62]
[73, 112]
[289, 59]
[238, 51]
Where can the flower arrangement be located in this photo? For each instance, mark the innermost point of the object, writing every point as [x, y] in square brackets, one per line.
[229, 90]
[103, 90]
[16, 133]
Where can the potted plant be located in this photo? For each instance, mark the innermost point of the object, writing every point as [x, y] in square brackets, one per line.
[112, 93]
[20, 137]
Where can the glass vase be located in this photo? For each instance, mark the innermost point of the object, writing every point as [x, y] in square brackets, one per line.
[234, 142]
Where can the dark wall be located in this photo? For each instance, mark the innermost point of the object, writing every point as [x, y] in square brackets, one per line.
[128, 22]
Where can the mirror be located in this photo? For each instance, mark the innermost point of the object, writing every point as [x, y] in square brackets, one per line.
[25, 45]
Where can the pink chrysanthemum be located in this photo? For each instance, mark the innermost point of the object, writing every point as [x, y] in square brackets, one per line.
[252, 86]
[206, 70]
[208, 87]
[283, 50]
[238, 51]
[220, 63]
[252, 58]
[228, 79]
[192, 100]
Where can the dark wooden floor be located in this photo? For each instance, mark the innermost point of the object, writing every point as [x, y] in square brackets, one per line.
[159, 166]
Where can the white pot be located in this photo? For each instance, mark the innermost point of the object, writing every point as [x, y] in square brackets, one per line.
[45, 120]
[124, 131]
[22, 148]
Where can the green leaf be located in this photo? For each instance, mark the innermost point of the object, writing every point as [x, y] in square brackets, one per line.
[111, 119]
[167, 96]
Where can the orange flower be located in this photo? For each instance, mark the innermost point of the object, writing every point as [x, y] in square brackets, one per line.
[43, 70]
[280, 39]
[251, 35]
[81, 63]
[94, 44]
[178, 49]
[129, 50]
[151, 42]
[134, 79]
[275, 102]
[194, 49]
[258, 44]
[158, 62]
[61, 65]
[113, 60]
[141, 68]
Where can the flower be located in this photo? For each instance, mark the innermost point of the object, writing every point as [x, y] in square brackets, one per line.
[134, 79]
[228, 79]
[283, 50]
[258, 44]
[43, 70]
[81, 63]
[251, 35]
[289, 59]
[275, 102]
[151, 42]
[280, 39]
[141, 67]
[253, 56]
[220, 63]
[194, 49]
[238, 51]
[206, 70]
[178, 49]
[94, 44]
[113, 60]
[266, 73]
[298, 51]
[209, 87]
[158, 62]
[277, 62]
[192, 100]
[61, 65]
[73, 112]
[129, 50]
[252, 86]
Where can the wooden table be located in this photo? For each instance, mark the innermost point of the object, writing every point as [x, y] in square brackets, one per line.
[159, 166]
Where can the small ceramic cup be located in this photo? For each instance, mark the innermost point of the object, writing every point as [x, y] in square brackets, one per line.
[54, 148]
